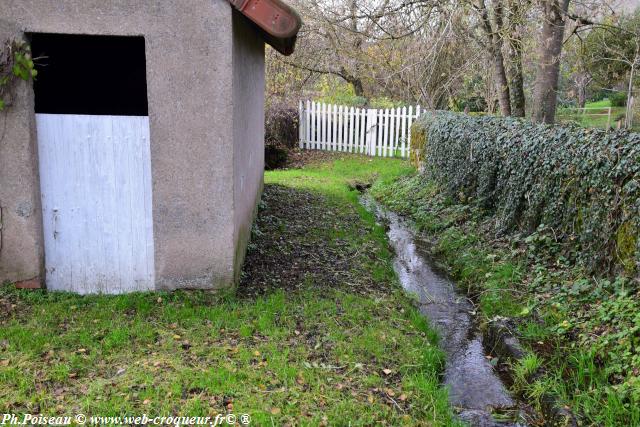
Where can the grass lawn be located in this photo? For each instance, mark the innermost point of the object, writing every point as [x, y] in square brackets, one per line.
[595, 115]
[318, 332]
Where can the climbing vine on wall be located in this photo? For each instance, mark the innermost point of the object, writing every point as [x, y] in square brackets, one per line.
[15, 63]
[582, 186]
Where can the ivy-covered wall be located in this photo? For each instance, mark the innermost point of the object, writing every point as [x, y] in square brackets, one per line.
[581, 185]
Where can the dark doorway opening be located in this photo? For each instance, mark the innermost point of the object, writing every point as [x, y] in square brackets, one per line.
[81, 74]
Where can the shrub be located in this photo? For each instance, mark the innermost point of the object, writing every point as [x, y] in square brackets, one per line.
[618, 99]
[281, 125]
[582, 184]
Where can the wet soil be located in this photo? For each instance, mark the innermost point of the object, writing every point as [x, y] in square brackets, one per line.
[474, 387]
[289, 247]
[299, 158]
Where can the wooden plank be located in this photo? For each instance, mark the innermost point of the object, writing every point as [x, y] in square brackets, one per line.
[319, 119]
[329, 128]
[392, 133]
[352, 130]
[403, 136]
[96, 203]
[307, 124]
[396, 137]
[311, 127]
[379, 133]
[356, 130]
[348, 128]
[325, 124]
[335, 128]
[363, 131]
[301, 124]
[316, 127]
[384, 129]
[340, 127]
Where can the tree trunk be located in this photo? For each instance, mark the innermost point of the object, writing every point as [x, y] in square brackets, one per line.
[494, 46]
[358, 88]
[582, 80]
[502, 85]
[582, 96]
[628, 120]
[546, 85]
[516, 81]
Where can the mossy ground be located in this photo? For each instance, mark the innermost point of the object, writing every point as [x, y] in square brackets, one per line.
[318, 332]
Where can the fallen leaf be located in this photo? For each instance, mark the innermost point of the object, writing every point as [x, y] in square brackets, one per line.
[146, 402]
[176, 337]
[4, 362]
[275, 411]
[387, 371]
[402, 397]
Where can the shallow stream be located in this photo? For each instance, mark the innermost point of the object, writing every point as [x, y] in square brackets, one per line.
[474, 388]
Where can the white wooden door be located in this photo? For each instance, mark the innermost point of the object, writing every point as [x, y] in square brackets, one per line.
[95, 181]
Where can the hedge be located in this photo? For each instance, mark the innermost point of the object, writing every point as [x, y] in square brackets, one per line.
[583, 185]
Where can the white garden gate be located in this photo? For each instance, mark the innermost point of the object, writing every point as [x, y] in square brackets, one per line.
[95, 180]
[376, 132]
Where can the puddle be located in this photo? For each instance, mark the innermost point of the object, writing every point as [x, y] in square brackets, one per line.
[474, 388]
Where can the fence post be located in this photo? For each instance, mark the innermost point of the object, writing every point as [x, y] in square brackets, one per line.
[307, 127]
[372, 119]
[363, 131]
[301, 125]
[403, 141]
[609, 118]
[323, 141]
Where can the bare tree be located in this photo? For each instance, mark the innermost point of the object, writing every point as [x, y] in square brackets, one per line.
[492, 26]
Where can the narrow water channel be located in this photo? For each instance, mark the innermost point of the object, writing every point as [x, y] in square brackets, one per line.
[475, 390]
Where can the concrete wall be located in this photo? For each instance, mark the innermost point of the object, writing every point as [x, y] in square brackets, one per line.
[21, 248]
[248, 130]
[202, 201]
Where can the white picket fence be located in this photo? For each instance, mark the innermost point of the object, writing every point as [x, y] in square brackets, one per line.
[376, 132]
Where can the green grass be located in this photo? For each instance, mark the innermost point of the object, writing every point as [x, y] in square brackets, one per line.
[596, 118]
[581, 329]
[305, 353]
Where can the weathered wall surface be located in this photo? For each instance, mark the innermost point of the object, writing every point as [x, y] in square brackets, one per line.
[248, 130]
[201, 118]
[21, 248]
